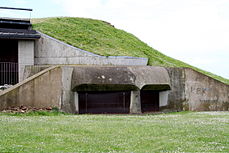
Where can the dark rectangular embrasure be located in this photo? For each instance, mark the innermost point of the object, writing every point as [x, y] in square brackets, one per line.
[149, 101]
[104, 102]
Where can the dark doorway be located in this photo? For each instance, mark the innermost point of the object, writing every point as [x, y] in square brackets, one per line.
[8, 62]
[104, 102]
[149, 101]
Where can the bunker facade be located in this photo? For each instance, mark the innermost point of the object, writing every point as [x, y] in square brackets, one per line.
[50, 73]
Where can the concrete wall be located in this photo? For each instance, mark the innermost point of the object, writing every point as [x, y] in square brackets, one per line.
[112, 78]
[25, 55]
[31, 70]
[194, 91]
[204, 93]
[56, 87]
[41, 90]
[176, 97]
[49, 51]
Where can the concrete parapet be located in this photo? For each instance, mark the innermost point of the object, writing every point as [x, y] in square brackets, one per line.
[41, 90]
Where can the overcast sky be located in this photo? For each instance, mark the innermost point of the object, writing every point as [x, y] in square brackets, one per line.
[194, 31]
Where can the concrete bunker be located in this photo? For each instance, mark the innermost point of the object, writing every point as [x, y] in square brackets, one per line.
[116, 90]
[133, 89]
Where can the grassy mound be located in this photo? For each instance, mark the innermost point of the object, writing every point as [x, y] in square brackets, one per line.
[102, 38]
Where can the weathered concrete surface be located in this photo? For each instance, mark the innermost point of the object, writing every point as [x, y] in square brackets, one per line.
[31, 70]
[40, 90]
[133, 76]
[204, 93]
[67, 100]
[121, 78]
[176, 97]
[49, 51]
[57, 87]
[135, 102]
[194, 91]
[25, 55]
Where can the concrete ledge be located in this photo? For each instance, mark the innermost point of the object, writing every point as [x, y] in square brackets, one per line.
[91, 61]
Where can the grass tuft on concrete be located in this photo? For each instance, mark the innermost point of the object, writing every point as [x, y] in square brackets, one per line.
[172, 132]
[102, 38]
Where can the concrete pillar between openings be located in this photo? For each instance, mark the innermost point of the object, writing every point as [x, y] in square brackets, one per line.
[135, 102]
[67, 100]
[76, 101]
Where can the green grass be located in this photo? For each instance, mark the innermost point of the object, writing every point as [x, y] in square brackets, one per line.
[101, 38]
[173, 132]
[36, 113]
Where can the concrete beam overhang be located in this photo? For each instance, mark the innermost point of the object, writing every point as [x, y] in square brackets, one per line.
[113, 78]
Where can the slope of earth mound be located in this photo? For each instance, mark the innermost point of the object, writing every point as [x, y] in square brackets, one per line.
[102, 38]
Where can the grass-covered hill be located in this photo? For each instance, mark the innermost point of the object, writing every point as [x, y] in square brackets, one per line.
[104, 39]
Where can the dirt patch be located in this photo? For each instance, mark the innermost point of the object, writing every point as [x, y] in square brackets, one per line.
[24, 109]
